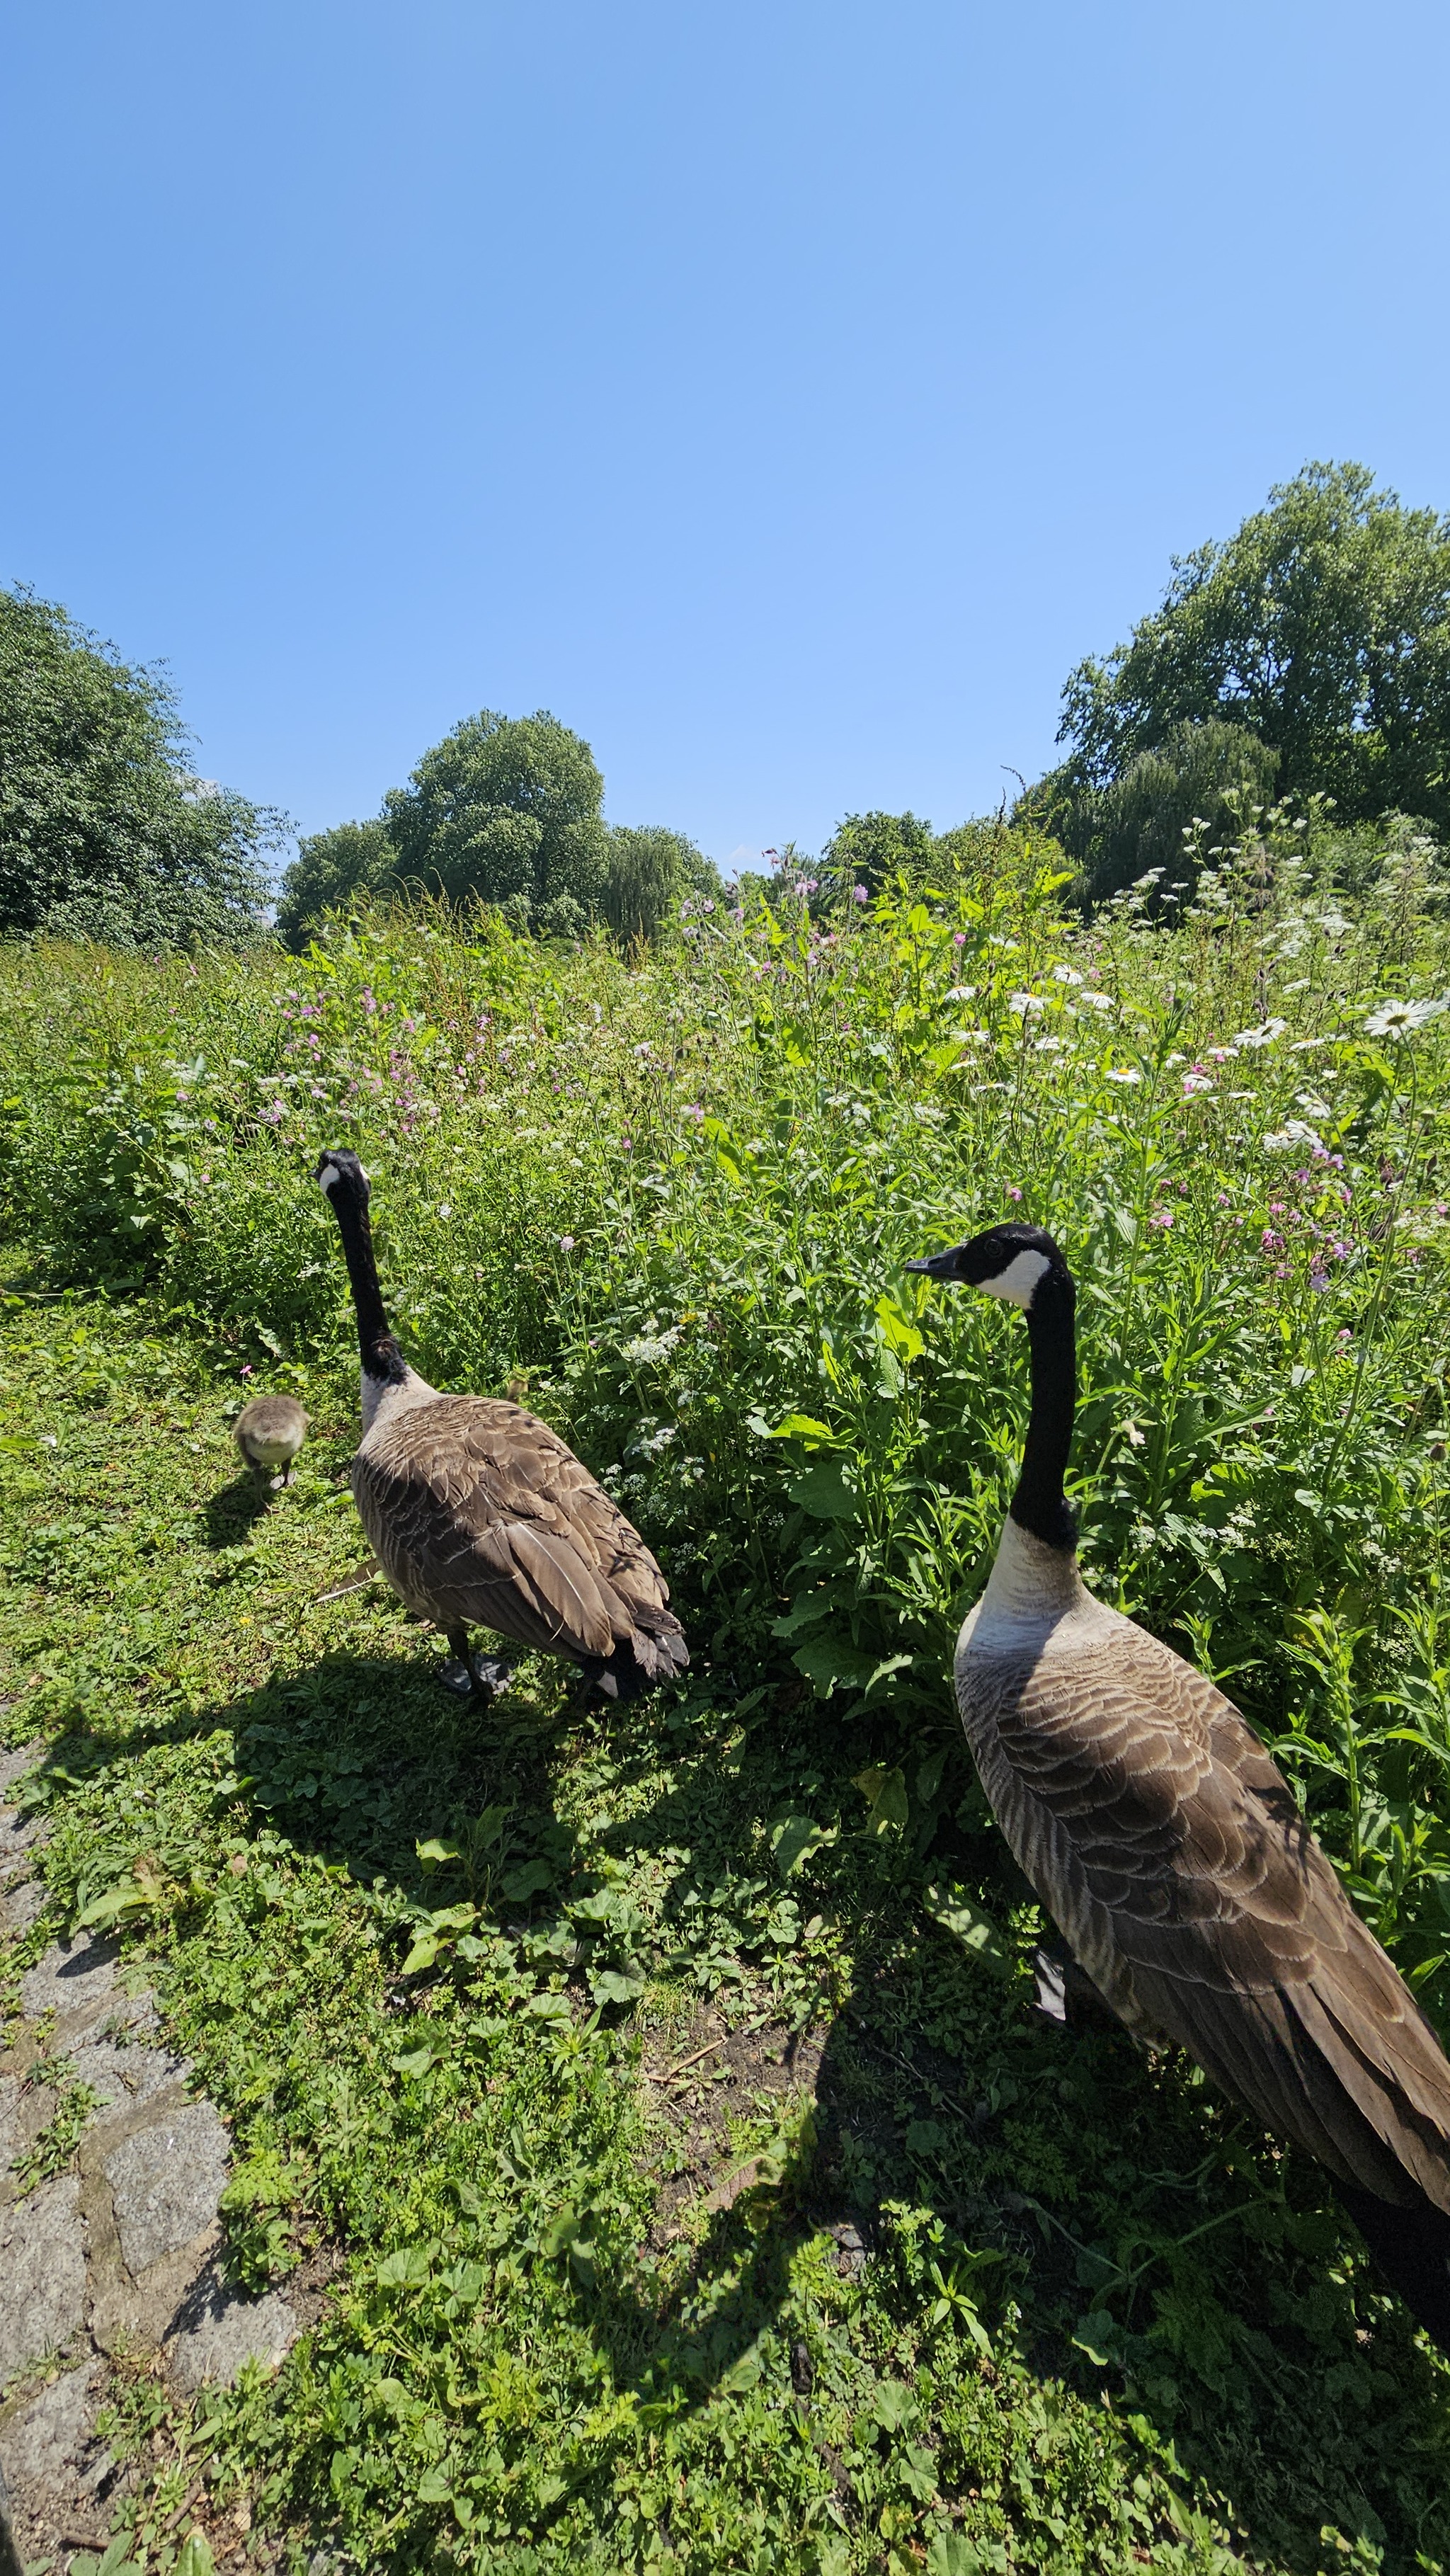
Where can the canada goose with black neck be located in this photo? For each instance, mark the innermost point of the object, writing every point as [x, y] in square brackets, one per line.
[480, 1516]
[1169, 1848]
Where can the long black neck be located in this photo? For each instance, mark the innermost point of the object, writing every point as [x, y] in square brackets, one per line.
[381, 1356]
[1039, 1504]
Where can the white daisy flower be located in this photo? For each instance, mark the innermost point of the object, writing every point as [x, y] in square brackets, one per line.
[1400, 1019]
[1066, 975]
[1048, 1046]
[1097, 1001]
[962, 993]
[1025, 1003]
[1194, 1083]
[1262, 1036]
[1123, 1073]
[1296, 1132]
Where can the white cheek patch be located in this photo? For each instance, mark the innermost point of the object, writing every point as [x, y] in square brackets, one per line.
[1019, 1281]
[328, 1178]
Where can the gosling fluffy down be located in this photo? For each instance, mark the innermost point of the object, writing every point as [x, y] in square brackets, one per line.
[269, 1432]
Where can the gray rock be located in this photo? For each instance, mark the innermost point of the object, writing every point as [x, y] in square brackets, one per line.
[19, 1836]
[125, 2075]
[166, 2182]
[76, 1980]
[20, 1907]
[43, 2266]
[217, 2330]
[9, 2121]
[14, 1766]
[47, 2443]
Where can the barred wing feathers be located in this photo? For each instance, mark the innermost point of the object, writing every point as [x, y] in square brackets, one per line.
[482, 1517]
[1170, 1850]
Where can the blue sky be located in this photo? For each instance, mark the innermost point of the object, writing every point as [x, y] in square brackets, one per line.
[785, 395]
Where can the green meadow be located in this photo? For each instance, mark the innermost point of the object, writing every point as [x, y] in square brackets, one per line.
[646, 2108]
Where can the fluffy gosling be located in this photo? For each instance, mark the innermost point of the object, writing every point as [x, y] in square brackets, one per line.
[269, 1432]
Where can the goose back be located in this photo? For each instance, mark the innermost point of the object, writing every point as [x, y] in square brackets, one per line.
[1170, 1850]
[481, 1516]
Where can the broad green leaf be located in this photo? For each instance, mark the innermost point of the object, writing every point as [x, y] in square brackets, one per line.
[966, 1921]
[899, 1330]
[831, 1663]
[822, 1491]
[887, 1804]
[417, 2061]
[794, 1840]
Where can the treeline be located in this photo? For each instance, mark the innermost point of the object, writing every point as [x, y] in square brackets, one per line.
[504, 812]
[1305, 662]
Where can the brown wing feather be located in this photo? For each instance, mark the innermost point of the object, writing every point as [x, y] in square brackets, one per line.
[1169, 1848]
[482, 1517]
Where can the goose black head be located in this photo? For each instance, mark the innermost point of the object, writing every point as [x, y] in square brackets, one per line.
[341, 1178]
[1008, 1261]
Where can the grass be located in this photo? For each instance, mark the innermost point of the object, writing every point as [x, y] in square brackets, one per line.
[656, 2096]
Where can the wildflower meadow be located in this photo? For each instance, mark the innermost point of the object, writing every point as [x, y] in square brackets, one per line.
[654, 2098]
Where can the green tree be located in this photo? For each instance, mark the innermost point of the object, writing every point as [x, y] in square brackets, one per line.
[105, 832]
[650, 871]
[353, 863]
[868, 849]
[1322, 626]
[1211, 772]
[506, 811]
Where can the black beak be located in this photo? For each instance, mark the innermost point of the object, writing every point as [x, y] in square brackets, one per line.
[941, 1265]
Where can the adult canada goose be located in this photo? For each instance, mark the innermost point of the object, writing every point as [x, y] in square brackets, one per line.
[269, 1432]
[1169, 1848]
[481, 1517]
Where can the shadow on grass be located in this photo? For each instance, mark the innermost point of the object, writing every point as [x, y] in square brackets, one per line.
[231, 1515]
[1149, 2248]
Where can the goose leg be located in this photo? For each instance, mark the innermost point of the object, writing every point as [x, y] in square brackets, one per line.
[1065, 1992]
[471, 1676]
[458, 1676]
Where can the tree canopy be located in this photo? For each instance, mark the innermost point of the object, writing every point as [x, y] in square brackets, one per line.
[506, 811]
[105, 833]
[650, 871]
[867, 849]
[349, 864]
[1321, 628]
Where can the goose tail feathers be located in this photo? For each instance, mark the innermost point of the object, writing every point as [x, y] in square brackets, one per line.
[641, 1661]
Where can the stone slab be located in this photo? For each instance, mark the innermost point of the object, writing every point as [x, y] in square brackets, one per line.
[76, 1980]
[217, 2330]
[14, 1765]
[166, 2182]
[48, 2443]
[125, 2075]
[9, 2122]
[43, 2267]
[24, 1899]
[19, 1836]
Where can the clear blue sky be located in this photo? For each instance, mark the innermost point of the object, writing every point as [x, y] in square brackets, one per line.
[785, 394]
